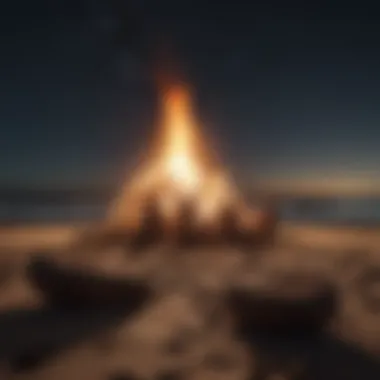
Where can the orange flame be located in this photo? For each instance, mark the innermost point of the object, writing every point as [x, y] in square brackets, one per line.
[179, 146]
[179, 168]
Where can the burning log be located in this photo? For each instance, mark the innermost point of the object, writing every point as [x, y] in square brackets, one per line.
[187, 233]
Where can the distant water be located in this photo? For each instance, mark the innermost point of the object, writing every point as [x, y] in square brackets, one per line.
[41, 213]
[358, 211]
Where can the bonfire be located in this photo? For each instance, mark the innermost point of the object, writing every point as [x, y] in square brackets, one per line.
[182, 181]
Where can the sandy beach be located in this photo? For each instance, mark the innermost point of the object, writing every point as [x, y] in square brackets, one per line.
[105, 347]
[30, 237]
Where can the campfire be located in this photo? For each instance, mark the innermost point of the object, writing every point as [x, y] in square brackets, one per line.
[181, 188]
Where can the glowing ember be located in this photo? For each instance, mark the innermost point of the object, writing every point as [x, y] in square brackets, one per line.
[179, 170]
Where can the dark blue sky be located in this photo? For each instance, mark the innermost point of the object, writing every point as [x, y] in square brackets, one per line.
[289, 90]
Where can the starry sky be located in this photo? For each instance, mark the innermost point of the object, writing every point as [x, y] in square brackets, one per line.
[286, 89]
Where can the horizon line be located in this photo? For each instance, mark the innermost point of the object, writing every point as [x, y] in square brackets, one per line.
[287, 187]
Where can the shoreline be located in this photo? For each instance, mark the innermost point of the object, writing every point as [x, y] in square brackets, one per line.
[44, 236]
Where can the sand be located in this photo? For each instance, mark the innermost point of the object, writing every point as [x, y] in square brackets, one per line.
[336, 238]
[104, 345]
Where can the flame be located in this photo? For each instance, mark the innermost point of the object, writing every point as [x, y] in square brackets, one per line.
[180, 159]
[180, 167]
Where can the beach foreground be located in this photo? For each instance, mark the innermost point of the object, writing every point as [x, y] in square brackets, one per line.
[166, 338]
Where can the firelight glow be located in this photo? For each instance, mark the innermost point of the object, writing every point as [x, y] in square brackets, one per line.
[179, 156]
[180, 167]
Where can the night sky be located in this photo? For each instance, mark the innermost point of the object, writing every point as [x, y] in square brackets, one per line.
[287, 89]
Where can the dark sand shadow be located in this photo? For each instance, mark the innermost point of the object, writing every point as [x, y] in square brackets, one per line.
[321, 357]
[80, 306]
[52, 330]
[28, 338]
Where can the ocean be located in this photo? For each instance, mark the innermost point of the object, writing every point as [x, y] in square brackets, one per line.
[356, 211]
[345, 211]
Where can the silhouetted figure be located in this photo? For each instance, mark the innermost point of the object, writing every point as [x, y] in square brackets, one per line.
[229, 231]
[150, 230]
[186, 233]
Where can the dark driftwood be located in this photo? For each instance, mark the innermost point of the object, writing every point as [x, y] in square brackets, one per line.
[66, 285]
[294, 304]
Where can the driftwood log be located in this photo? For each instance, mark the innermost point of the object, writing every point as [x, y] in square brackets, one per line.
[291, 303]
[69, 286]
